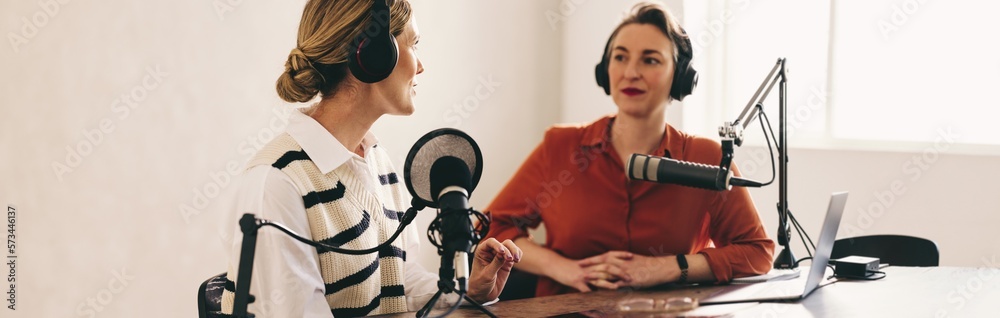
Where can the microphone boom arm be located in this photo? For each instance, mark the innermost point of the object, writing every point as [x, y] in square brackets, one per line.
[732, 133]
[734, 129]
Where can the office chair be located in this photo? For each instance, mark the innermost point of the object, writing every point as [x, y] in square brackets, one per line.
[210, 297]
[519, 285]
[898, 250]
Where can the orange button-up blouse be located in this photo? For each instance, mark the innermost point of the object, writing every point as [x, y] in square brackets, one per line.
[576, 184]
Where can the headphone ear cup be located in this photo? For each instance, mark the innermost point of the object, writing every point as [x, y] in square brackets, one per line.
[601, 75]
[601, 70]
[685, 80]
[685, 77]
[374, 58]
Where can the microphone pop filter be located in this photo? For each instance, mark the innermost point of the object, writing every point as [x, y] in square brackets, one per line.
[435, 145]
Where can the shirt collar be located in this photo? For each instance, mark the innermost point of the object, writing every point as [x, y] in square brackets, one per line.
[322, 147]
[598, 134]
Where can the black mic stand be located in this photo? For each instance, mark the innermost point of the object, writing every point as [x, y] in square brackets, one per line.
[455, 237]
[733, 133]
[249, 225]
[447, 286]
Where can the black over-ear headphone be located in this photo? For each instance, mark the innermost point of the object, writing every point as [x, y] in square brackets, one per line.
[685, 77]
[374, 52]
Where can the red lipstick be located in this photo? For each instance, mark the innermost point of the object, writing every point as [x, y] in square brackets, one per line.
[630, 91]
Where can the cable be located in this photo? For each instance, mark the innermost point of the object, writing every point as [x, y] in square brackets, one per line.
[764, 115]
[770, 137]
[802, 260]
[769, 150]
[877, 278]
[800, 230]
[453, 307]
[478, 231]
[832, 280]
[796, 222]
[863, 278]
[828, 265]
[404, 221]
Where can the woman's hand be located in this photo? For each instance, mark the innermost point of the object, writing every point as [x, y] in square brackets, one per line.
[612, 271]
[569, 272]
[600, 271]
[491, 268]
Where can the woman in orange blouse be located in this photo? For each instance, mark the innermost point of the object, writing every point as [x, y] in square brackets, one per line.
[605, 231]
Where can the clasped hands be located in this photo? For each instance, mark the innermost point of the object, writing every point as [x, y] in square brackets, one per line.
[617, 269]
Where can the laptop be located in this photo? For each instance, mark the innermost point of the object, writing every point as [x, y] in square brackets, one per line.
[790, 290]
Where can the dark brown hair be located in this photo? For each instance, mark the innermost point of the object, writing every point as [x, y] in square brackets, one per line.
[656, 14]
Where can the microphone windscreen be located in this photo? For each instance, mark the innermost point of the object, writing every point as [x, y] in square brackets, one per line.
[449, 171]
[437, 144]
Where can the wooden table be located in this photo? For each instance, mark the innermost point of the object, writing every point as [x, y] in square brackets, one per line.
[905, 292]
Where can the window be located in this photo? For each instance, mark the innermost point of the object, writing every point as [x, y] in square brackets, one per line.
[907, 69]
[862, 74]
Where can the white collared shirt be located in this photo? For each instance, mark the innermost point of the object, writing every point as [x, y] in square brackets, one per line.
[286, 279]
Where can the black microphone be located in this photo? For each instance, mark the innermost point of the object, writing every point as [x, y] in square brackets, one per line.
[441, 171]
[690, 174]
[450, 182]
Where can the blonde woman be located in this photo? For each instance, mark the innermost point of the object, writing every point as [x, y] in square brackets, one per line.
[327, 177]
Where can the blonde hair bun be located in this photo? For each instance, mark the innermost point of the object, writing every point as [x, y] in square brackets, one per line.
[300, 82]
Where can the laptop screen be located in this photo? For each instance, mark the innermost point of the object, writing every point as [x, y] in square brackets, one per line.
[827, 235]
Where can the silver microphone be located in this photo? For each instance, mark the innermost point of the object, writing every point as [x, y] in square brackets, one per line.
[690, 174]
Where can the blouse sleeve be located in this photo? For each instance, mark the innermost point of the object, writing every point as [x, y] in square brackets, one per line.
[742, 247]
[513, 210]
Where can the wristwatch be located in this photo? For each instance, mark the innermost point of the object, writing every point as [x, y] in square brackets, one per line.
[683, 264]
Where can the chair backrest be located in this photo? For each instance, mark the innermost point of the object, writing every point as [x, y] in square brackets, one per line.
[210, 297]
[899, 250]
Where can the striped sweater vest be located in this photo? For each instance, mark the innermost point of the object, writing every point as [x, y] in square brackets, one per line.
[343, 213]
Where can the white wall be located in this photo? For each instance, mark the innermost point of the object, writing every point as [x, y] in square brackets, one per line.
[947, 198]
[120, 206]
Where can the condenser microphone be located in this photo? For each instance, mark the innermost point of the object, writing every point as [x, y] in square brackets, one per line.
[689, 174]
[441, 171]
[450, 181]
